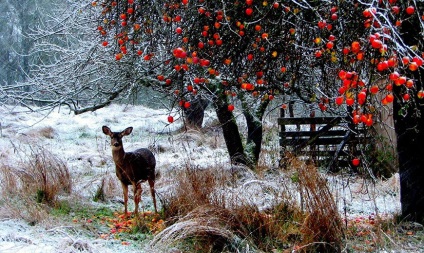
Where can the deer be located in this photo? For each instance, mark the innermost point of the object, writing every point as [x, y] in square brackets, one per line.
[132, 168]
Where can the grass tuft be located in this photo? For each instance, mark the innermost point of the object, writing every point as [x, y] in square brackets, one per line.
[206, 212]
[36, 180]
[322, 229]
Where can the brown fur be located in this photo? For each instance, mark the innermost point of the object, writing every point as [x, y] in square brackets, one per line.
[132, 168]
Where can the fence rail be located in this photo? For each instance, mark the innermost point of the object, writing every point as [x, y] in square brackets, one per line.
[327, 141]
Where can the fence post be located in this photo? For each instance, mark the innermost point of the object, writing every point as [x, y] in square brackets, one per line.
[283, 158]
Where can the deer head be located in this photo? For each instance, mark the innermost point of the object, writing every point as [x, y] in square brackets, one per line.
[116, 137]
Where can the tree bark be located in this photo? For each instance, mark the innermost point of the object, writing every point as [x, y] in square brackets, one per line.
[231, 132]
[195, 113]
[409, 127]
[410, 136]
[253, 118]
[254, 136]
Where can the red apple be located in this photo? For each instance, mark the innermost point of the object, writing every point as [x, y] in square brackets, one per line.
[394, 76]
[406, 97]
[356, 161]
[249, 11]
[420, 94]
[409, 83]
[362, 95]
[410, 10]
[395, 9]
[418, 60]
[376, 43]
[339, 100]
[389, 98]
[322, 24]
[374, 89]
[413, 66]
[119, 56]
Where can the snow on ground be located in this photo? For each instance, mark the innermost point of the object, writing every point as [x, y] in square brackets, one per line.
[79, 141]
[18, 237]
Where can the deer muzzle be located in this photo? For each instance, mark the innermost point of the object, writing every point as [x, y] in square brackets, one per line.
[115, 143]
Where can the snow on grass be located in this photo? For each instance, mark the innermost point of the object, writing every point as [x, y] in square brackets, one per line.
[80, 143]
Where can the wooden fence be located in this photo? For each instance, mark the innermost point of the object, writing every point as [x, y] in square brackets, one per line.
[329, 142]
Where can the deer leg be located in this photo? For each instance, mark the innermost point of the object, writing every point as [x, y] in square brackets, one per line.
[153, 192]
[137, 196]
[125, 190]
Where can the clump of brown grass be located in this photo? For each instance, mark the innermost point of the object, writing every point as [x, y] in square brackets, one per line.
[36, 179]
[208, 229]
[206, 213]
[107, 188]
[322, 229]
[278, 227]
[47, 132]
[194, 187]
[45, 174]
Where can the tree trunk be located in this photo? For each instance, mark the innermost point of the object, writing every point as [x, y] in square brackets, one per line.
[231, 132]
[409, 126]
[410, 148]
[254, 136]
[195, 113]
[253, 118]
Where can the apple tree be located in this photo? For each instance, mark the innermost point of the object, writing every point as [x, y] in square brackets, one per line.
[357, 58]
[349, 57]
[219, 51]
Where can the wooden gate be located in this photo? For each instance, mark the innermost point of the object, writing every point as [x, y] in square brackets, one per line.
[329, 142]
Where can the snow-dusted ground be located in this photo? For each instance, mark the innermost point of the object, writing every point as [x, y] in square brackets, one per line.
[79, 141]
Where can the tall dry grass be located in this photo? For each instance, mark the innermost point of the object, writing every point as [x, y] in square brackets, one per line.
[206, 211]
[207, 228]
[194, 187]
[202, 214]
[108, 188]
[322, 228]
[36, 179]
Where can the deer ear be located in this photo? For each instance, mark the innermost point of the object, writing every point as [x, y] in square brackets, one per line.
[106, 130]
[127, 131]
